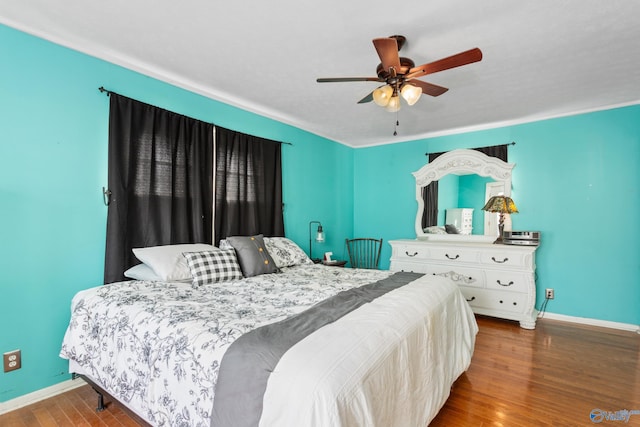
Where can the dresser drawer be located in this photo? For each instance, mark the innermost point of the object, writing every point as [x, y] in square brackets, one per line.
[410, 252]
[459, 275]
[510, 302]
[454, 255]
[507, 259]
[409, 266]
[507, 280]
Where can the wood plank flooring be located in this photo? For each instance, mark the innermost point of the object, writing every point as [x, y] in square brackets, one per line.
[72, 408]
[554, 375]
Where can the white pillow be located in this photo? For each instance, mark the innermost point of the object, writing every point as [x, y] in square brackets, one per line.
[141, 272]
[167, 261]
[144, 272]
[435, 230]
[285, 252]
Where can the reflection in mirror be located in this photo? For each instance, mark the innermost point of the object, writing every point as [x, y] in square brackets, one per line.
[462, 192]
[465, 179]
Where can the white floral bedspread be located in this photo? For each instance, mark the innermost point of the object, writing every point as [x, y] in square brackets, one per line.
[157, 346]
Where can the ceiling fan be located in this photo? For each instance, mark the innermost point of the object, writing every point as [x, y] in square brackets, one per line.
[400, 74]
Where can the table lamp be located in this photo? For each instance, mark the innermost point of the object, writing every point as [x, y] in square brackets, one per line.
[319, 237]
[502, 205]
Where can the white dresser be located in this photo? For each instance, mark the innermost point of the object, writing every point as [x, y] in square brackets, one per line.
[497, 280]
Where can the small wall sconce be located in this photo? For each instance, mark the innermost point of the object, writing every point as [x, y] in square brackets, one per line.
[319, 237]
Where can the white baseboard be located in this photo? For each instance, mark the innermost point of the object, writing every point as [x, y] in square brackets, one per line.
[39, 395]
[593, 322]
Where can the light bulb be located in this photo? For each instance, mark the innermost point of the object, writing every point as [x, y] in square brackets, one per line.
[394, 104]
[411, 93]
[382, 95]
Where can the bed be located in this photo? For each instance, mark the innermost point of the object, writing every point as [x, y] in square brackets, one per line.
[162, 344]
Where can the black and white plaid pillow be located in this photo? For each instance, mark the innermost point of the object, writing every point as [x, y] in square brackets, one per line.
[213, 266]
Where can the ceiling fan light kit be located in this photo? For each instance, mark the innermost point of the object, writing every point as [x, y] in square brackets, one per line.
[410, 93]
[382, 95]
[399, 74]
[394, 104]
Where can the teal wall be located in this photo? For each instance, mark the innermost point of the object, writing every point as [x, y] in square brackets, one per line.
[576, 180]
[53, 165]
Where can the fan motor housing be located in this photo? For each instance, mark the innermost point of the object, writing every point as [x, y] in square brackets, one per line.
[405, 65]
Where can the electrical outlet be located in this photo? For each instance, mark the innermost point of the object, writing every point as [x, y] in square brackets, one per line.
[12, 360]
[549, 294]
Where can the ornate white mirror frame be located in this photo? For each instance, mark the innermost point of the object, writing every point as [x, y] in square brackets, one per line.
[459, 162]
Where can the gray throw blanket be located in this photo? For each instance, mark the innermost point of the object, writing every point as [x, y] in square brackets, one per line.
[248, 362]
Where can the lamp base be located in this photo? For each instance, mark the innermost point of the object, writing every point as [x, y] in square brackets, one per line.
[499, 240]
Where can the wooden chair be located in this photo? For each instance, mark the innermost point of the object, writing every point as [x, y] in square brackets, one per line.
[364, 252]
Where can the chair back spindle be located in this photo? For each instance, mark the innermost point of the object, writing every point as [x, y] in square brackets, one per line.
[364, 252]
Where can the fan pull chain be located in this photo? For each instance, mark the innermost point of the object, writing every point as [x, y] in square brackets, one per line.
[395, 130]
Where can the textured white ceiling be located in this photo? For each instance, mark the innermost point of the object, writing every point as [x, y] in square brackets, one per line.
[543, 58]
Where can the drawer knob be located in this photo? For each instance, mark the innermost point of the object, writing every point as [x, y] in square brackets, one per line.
[411, 255]
[499, 262]
[471, 299]
[504, 284]
[455, 257]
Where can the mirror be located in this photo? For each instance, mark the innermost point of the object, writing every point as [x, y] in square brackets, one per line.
[467, 178]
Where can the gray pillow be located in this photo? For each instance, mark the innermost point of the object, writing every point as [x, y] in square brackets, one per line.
[450, 229]
[252, 255]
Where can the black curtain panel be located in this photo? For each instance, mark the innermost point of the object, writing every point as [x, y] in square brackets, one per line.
[430, 197]
[430, 192]
[248, 185]
[161, 179]
[499, 151]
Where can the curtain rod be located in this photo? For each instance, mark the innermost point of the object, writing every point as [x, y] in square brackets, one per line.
[511, 143]
[102, 89]
[109, 92]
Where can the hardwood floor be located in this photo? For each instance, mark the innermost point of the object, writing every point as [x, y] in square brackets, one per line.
[554, 375]
[72, 408]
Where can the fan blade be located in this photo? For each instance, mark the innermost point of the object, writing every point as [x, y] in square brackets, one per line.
[428, 88]
[387, 49]
[366, 99]
[457, 60]
[348, 79]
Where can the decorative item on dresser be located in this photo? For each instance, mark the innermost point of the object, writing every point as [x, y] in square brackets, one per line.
[501, 205]
[496, 280]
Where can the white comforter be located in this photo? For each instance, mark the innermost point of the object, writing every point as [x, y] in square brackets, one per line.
[157, 346]
[390, 363]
